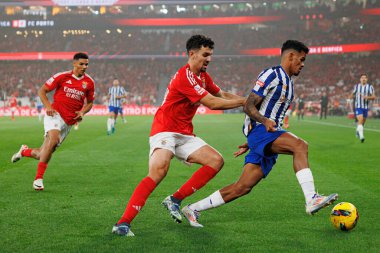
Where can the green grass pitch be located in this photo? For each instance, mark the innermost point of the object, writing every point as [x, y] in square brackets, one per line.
[92, 175]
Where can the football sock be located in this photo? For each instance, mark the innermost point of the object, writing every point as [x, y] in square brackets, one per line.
[41, 168]
[306, 180]
[360, 130]
[138, 199]
[212, 201]
[109, 124]
[196, 182]
[27, 152]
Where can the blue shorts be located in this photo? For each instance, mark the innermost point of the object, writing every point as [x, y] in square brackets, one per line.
[258, 139]
[361, 111]
[120, 110]
[113, 109]
[39, 108]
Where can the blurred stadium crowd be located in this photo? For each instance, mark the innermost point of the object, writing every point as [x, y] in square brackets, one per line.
[143, 58]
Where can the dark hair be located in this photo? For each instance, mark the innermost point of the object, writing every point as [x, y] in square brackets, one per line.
[296, 45]
[364, 74]
[197, 41]
[78, 56]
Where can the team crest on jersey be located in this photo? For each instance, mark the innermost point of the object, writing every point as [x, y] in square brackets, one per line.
[84, 85]
[282, 100]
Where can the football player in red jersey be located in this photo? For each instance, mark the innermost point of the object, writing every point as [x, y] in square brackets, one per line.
[72, 89]
[13, 105]
[172, 133]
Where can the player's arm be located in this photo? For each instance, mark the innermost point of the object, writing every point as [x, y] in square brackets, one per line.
[42, 93]
[250, 109]
[227, 95]
[217, 103]
[241, 149]
[85, 109]
[372, 96]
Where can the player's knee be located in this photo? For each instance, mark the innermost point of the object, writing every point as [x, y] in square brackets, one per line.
[301, 146]
[217, 162]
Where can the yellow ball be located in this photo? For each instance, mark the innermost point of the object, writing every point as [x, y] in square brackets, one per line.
[344, 216]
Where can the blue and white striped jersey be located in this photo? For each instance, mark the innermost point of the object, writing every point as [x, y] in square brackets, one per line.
[359, 92]
[277, 90]
[113, 92]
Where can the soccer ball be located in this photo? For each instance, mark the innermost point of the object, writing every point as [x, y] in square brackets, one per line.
[344, 216]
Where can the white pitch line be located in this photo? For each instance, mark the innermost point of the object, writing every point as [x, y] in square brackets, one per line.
[339, 125]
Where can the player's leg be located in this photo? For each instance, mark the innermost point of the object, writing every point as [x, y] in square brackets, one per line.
[193, 150]
[158, 167]
[111, 120]
[211, 161]
[46, 151]
[252, 174]
[288, 143]
[360, 127]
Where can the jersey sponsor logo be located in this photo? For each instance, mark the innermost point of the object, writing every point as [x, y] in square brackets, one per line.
[260, 83]
[50, 81]
[73, 93]
[69, 82]
[84, 85]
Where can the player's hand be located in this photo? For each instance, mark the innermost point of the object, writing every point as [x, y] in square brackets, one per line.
[79, 116]
[50, 111]
[270, 125]
[242, 149]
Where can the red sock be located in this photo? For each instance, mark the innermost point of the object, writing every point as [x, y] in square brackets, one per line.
[196, 182]
[27, 152]
[137, 200]
[41, 170]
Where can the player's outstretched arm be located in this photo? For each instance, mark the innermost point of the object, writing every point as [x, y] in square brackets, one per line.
[217, 103]
[227, 95]
[250, 109]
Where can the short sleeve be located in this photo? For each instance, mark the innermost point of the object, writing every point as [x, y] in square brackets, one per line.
[210, 85]
[191, 87]
[263, 82]
[53, 82]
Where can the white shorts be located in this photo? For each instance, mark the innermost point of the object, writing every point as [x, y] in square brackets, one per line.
[182, 146]
[56, 122]
[13, 109]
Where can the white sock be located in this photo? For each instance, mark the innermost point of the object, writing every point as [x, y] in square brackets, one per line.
[212, 201]
[306, 180]
[109, 124]
[360, 130]
[113, 123]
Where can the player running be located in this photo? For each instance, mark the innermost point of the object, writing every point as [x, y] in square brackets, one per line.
[363, 92]
[71, 90]
[172, 133]
[265, 109]
[115, 96]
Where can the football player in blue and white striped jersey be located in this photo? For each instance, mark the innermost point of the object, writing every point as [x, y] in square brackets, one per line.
[115, 96]
[363, 92]
[265, 109]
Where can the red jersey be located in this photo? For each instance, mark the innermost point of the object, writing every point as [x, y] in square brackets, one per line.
[70, 93]
[12, 101]
[182, 101]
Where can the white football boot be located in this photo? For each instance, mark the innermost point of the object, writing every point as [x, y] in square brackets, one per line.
[17, 156]
[38, 184]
